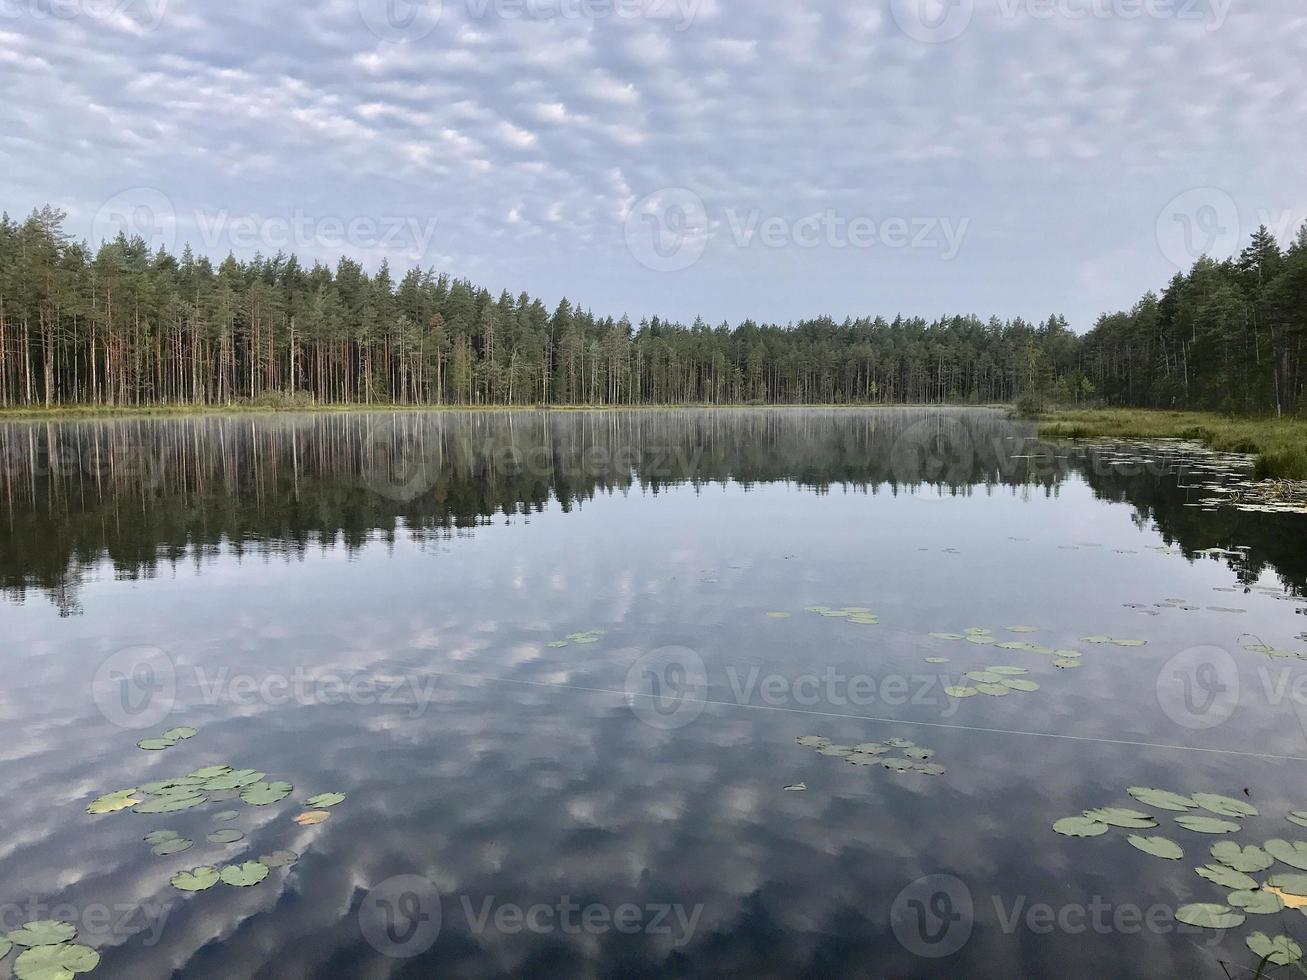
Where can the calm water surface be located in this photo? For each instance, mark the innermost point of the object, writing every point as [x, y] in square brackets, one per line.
[367, 603]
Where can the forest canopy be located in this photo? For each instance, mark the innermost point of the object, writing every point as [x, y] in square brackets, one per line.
[123, 325]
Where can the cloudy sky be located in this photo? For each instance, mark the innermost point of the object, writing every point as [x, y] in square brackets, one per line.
[725, 158]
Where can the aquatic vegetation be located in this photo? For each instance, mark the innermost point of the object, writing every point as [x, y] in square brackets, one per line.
[858, 615]
[58, 962]
[796, 788]
[279, 859]
[168, 739]
[243, 875]
[587, 637]
[1161, 799]
[312, 818]
[225, 837]
[195, 880]
[1162, 847]
[325, 801]
[43, 932]
[1209, 915]
[1251, 858]
[264, 794]
[1279, 951]
[1292, 853]
[1084, 826]
[878, 754]
[1207, 825]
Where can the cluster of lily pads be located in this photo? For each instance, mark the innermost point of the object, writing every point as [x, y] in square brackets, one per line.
[1066, 659]
[48, 951]
[1234, 868]
[168, 739]
[584, 638]
[1273, 652]
[207, 785]
[859, 615]
[1184, 605]
[914, 757]
[996, 682]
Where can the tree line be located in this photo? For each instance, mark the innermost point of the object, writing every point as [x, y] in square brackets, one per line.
[123, 325]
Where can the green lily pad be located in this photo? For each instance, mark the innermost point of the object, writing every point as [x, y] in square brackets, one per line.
[864, 759]
[324, 801]
[229, 836]
[209, 772]
[43, 932]
[1020, 684]
[1161, 798]
[5, 947]
[281, 859]
[930, 768]
[1009, 671]
[977, 631]
[170, 804]
[173, 845]
[226, 815]
[1023, 629]
[1251, 858]
[1207, 825]
[195, 880]
[55, 962]
[839, 751]
[994, 690]
[237, 779]
[980, 639]
[244, 875]
[1095, 639]
[1067, 664]
[871, 748]
[984, 677]
[1280, 950]
[1130, 643]
[812, 741]
[1224, 805]
[1158, 847]
[1227, 877]
[181, 732]
[900, 743]
[959, 691]
[1121, 817]
[1256, 902]
[1298, 817]
[897, 765]
[264, 794]
[156, 744]
[558, 644]
[918, 753]
[1080, 827]
[1290, 884]
[222, 795]
[159, 836]
[1209, 916]
[1293, 854]
[122, 799]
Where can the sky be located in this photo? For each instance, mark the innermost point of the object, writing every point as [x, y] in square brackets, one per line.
[765, 159]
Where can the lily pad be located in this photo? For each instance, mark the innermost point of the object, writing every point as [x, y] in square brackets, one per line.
[1023, 629]
[5, 947]
[1121, 817]
[871, 748]
[559, 644]
[181, 732]
[325, 801]
[1209, 916]
[226, 815]
[959, 691]
[264, 794]
[1067, 664]
[1225, 805]
[159, 836]
[948, 636]
[123, 799]
[1293, 854]
[864, 759]
[994, 690]
[985, 677]
[43, 932]
[1280, 950]
[1290, 883]
[1251, 858]
[898, 765]
[55, 962]
[839, 751]
[236, 779]
[900, 743]
[156, 744]
[792, 788]
[1161, 798]
[937, 660]
[1256, 902]
[920, 754]
[1227, 877]
[1298, 817]
[209, 772]
[1158, 847]
[312, 818]
[244, 875]
[1020, 684]
[1008, 671]
[195, 880]
[283, 859]
[1080, 827]
[812, 741]
[229, 836]
[173, 845]
[170, 804]
[1207, 825]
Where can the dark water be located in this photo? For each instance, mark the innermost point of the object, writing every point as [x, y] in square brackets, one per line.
[365, 603]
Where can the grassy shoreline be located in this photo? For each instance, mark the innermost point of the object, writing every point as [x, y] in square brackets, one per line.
[1280, 445]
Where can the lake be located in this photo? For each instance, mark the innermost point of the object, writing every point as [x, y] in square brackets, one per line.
[559, 664]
